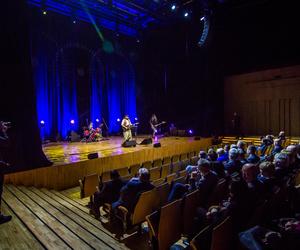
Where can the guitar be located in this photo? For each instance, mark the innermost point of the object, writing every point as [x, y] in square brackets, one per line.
[130, 126]
[159, 124]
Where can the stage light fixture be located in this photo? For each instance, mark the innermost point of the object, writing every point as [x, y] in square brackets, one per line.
[136, 119]
[190, 132]
[138, 40]
[74, 21]
[72, 122]
[186, 14]
[118, 120]
[173, 7]
[202, 18]
[44, 12]
[97, 120]
[42, 122]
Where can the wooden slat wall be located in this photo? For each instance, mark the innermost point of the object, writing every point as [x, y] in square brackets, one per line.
[267, 101]
[67, 176]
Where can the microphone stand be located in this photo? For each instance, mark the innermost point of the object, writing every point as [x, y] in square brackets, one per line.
[105, 127]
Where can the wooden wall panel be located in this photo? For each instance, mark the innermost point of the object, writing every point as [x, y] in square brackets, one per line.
[267, 101]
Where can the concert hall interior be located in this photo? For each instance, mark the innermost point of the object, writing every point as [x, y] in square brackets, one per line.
[150, 124]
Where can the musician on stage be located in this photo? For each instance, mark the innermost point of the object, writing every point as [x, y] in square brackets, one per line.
[153, 122]
[126, 126]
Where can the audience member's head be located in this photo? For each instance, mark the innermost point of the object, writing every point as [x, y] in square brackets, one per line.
[233, 146]
[227, 148]
[281, 134]
[144, 175]
[202, 155]
[241, 154]
[249, 172]
[281, 160]
[114, 175]
[292, 153]
[233, 154]
[220, 151]
[203, 166]
[212, 155]
[267, 169]
[251, 149]
[241, 144]
[277, 142]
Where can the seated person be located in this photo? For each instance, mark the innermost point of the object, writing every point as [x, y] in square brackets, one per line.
[252, 157]
[202, 155]
[129, 193]
[267, 177]
[265, 142]
[281, 162]
[242, 156]
[233, 164]
[249, 174]
[110, 193]
[222, 157]
[277, 147]
[291, 151]
[241, 145]
[226, 150]
[281, 136]
[211, 155]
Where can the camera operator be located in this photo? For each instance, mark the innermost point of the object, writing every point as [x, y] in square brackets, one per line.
[4, 143]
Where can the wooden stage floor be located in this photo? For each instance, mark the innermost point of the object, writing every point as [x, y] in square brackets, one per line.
[70, 162]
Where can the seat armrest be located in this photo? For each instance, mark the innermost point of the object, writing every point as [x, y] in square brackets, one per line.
[153, 222]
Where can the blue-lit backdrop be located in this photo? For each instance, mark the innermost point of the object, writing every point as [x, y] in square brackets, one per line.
[59, 80]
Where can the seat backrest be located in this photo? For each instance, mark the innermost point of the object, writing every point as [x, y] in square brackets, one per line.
[166, 160]
[194, 160]
[184, 163]
[157, 163]
[163, 193]
[191, 154]
[169, 229]
[182, 173]
[147, 164]
[190, 204]
[171, 177]
[134, 169]
[165, 170]
[89, 185]
[123, 171]
[219, 193]
[222, 235]
[175, 158]
[202, 239]
[176, 167]
[147, 203]
[105, 176]
[181, 180]
[183, 156]
[154, 173]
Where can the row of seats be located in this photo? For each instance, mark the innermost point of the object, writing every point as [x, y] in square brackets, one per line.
[161, 170]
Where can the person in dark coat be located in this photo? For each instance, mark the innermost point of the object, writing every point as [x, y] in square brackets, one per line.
[233, 165]
[110, 193]
[252, 157]
[130, 193]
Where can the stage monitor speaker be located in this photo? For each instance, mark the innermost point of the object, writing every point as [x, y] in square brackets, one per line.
[128, 144]
[146, 141]
[92, 156]
[74, 137]
[157, 145]
[197, 138]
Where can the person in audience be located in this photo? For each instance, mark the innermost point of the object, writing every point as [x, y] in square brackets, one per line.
[222, 156]
[281, 136]
[297, 161]
[129, 193]
[204, 179]
[242, 156]
[281, 162]
[212, 155]
[226, 150]
[202, 155]
[4, 145]
[233, 146]
[252, 157]
[277, 146]
[291, 151]
[233, 164]
[249, 174]
[241, 145]
[265, 143]
[110, 193]
[267, 177]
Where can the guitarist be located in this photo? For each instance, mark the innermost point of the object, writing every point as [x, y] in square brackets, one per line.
[4, 144]
[126, 127]
[154, 124]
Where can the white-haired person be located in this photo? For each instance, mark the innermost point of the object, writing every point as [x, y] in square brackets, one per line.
[233, 164]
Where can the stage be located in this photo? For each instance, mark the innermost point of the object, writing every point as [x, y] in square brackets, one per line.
[71, 163]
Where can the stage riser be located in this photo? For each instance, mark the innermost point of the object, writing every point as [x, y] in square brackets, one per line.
[67, 176]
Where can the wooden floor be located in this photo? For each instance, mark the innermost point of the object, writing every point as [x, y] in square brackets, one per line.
[48, 219]
[71, 162]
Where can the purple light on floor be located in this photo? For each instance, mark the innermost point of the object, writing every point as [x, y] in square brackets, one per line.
[72, 121]
[42, 122]
[118, 120]
[190, 131]
[156, 139]
[97, 120]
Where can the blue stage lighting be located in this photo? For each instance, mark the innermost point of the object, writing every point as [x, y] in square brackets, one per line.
[118, 120]
[97, 120]
[42, 122]
[72, 122]
[190, 131]
[202, 18]
[136, 119]
[44, 12]
[173, 7]
[74, 21]
[186, 14]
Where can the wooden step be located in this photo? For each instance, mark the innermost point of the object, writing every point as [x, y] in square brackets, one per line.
[85, 219]
[15, 235]
[47, 237]
[47, 215]
[69, 219]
